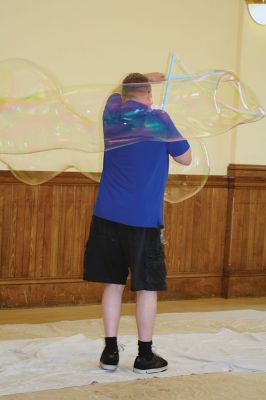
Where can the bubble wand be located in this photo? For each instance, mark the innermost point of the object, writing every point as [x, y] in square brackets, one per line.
[165, 97]
[174, 78]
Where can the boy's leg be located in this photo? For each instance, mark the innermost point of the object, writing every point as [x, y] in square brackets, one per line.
[147, 361]
[146, 314]
[104, 261]
[111, 305]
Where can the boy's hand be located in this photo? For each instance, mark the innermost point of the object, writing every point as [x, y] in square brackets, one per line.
[156, 77]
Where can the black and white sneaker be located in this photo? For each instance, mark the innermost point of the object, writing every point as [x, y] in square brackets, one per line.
[109, 360]
[151, 366]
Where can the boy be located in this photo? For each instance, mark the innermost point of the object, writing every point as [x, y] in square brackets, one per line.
[128, 216]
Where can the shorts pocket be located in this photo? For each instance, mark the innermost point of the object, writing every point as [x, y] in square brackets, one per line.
[155, 270]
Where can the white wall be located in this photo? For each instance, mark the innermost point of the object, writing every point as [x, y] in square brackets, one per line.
[250, 143]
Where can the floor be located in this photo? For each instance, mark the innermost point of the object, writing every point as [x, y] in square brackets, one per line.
[71, 313]
[214, 386]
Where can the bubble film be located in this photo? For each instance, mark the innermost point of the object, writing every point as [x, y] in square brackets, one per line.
[46, 129]
[184, 181]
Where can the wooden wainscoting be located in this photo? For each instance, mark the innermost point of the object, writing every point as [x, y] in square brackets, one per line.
[215, 240]
[245, 252]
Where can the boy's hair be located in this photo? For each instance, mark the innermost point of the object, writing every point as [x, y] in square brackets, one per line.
[135, 85]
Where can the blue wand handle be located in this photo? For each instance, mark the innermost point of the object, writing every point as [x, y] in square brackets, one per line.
[165, 97]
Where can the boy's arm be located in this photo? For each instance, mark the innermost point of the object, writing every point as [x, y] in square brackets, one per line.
[184, 158]
[155, 77]
[179, 150]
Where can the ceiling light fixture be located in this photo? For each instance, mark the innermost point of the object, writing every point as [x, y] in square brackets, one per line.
[257, 10]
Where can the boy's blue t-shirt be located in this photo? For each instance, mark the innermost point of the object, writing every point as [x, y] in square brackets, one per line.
[131, 190]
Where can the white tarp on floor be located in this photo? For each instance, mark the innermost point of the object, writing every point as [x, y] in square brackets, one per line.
[30, 365]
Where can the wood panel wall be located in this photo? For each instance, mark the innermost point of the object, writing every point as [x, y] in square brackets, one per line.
[245, 250]
[215, 246]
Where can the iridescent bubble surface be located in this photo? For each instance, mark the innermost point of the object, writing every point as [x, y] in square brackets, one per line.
[46, 129]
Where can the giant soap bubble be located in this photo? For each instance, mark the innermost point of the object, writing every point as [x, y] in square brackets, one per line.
[46, 129]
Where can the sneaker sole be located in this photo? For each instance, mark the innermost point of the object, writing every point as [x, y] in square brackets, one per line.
[108, 367]
[149, 371]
